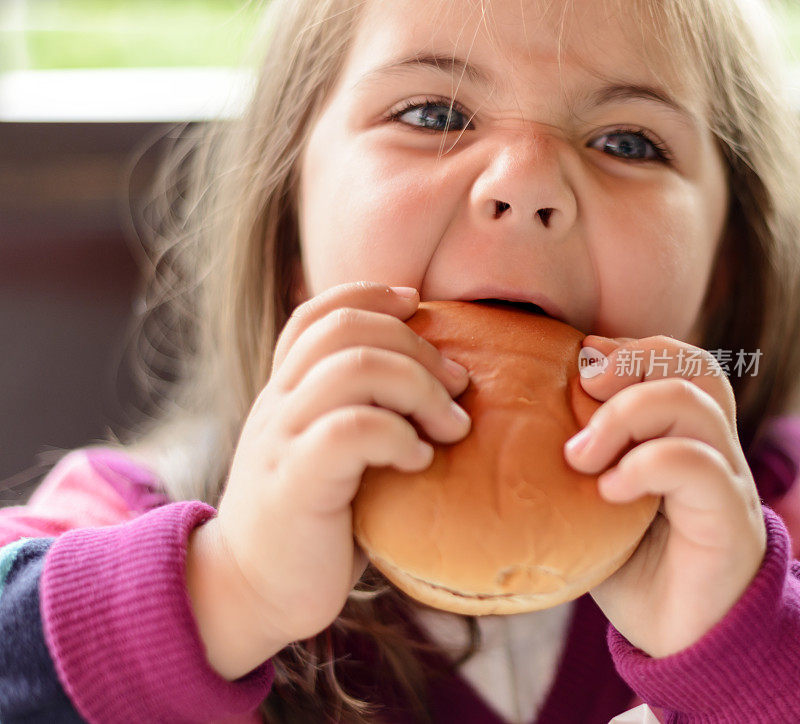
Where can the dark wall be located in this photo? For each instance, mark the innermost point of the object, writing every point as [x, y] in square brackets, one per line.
[67, 285]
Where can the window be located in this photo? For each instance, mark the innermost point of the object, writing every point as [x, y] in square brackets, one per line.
[50, 34]
[156, 60]
[790, 10]
[127, 60]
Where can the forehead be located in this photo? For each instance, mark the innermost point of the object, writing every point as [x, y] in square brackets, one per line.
[573, 41]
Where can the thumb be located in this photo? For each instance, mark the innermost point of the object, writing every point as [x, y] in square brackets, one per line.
[606, 343]
[594, 352]
[596, 369]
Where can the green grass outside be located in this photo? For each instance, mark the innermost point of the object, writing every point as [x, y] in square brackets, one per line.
[164, 33]
[132, 33]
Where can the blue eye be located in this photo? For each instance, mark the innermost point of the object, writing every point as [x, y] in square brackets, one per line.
[634, 145]
[437, 115]
[433, 115]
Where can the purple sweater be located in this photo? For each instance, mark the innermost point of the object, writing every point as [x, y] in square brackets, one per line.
[96, 623]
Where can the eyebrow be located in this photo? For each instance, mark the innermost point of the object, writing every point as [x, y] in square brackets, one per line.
[613, 92]
[438, 62]
[616, 92]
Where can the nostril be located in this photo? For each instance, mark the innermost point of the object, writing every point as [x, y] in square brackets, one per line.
[500, 207]
[545, 215]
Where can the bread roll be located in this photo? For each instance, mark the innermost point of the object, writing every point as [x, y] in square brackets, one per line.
[499, 523]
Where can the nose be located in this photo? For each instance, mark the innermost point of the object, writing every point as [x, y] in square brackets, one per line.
[523, 186]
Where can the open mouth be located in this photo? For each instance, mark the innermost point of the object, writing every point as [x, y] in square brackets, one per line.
[524, 306]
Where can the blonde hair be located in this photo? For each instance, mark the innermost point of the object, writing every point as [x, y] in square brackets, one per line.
[223, 240]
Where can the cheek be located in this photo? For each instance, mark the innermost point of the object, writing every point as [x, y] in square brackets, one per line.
[661, 257]
[365, 214]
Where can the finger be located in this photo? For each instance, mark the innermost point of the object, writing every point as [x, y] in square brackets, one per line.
[364, 375]
[660, 357]
[672, 407]
[702, 501]
[329, 457]
[348, 327]
[606, 345]
[362, 294]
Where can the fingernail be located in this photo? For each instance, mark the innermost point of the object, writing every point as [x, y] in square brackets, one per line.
[424, 451]
[459, 412]
[578, 442]
[454, 368]
[611, 340]
[591, 362]
[407, 292]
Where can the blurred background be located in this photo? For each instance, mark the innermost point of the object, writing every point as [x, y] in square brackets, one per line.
[90, 94]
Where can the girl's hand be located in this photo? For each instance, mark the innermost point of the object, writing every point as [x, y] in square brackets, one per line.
[346, 371]
[708, 540]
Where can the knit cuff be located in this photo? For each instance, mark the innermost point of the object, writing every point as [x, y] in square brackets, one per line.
[746, 667]
[120, 626]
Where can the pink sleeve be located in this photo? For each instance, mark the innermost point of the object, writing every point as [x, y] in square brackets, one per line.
[87, 487]
[776, 472]
[120, 628]
[116, 614]
[788, 508]
[746, 668]
[774, 462]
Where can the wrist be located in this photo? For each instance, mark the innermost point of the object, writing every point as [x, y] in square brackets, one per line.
[228, 617]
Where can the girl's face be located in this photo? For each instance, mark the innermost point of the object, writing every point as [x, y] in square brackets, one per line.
[541, 189]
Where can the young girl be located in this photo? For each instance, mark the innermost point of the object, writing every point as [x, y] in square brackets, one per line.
[629, 165]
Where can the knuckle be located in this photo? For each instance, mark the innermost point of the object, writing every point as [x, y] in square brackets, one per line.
[704, 457]
[336, 427]
[363, 286]
[418, 343]
[412, 342]
[684, 390]
[363, 360]
[302, 310]
[710, 457]
[615, 410]
[294, 322]
[355, 421]
[309, 308]
[345, 317]
[693, 451]
[664, 340]
[681, 389]
[426, 353]
[665, 452]
[656, 342]
[357, 287]
[649, 455]
[433, 389]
